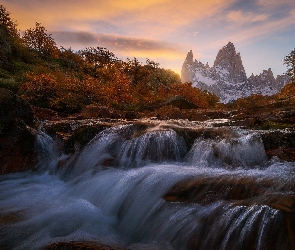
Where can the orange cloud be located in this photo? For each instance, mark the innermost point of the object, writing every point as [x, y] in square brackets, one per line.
[126, 46]
[155, 16]
[250, 34]
[240, 17]
[275, 2]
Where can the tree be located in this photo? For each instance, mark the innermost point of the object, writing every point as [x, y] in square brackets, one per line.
[98, 57]
[7, 23]
[38, 40]
[10, 40]
[39, 89]
[136, 72]
[289, 61]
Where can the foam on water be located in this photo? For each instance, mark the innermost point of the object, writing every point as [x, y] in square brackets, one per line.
[124, 205]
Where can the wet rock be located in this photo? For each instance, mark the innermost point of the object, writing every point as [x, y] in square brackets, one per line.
[94, 111]
[42, 114]
[17, 151]
[280, 143]
[284, 153]
[235, 190]
[17, 140]
[73, 135]
[239, 192]
[80, 245]
[179, 102]
[81, 136]
[13, 111]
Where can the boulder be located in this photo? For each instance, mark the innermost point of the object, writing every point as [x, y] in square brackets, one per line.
[13, 110]
[280, 143]
[17, 139]
[79, 245]
[242, 192]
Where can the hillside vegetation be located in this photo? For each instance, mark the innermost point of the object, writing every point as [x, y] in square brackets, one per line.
[64, 80]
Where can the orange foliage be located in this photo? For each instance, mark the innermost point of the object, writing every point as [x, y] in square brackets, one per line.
[39, 89]
[252, 101]
[194, 95]
[117, 92]
[38, 40]
[69, 94]
[72, 94]
[288, 91]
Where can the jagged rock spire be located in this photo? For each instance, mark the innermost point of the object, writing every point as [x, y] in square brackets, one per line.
[227, 58]
[187, 73]
[227, 77]
[189, 58]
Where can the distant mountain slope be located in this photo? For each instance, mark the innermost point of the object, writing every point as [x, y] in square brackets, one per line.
[227, 77]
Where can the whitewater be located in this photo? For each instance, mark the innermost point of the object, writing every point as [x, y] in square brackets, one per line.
[128, 188]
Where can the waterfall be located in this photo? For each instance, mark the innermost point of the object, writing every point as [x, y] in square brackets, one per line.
[142, 188]
[48, 154]
[244, 151]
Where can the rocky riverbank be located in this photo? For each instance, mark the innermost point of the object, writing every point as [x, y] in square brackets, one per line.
[19, 124]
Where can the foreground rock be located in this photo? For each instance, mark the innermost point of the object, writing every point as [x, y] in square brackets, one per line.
[280, 143]
[234, 190]
[17, 140]
[243, 192]
[79, 245]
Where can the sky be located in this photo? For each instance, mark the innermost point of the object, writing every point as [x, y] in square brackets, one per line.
[263, 31]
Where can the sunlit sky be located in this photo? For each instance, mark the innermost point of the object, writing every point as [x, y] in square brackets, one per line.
[263, 31]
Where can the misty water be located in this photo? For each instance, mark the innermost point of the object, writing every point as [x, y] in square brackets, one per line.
[112, 192]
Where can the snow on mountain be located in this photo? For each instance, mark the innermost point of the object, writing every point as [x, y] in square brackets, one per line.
[227, 77]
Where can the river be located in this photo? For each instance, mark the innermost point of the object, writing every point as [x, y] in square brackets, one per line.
[147, 187]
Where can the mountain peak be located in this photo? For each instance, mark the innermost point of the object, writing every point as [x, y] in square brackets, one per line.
[228, 59]
[227, 78]
[189, 58]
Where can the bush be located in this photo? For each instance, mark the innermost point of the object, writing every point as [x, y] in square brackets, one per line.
[39, 89]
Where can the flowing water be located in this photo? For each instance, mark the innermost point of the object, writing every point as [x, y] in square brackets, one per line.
[114, 190]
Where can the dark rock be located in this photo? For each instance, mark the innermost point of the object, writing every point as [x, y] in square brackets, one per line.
[13, 110]
[42, 114]
[238, 191]
[284, 153]
[94, 111]
[180, 102]
[17, 151]
[17, 140]
[130, 115]
[81, 136]
[279, 143]
[80, 245]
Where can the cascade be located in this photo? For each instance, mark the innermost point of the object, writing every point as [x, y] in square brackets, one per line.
[141, 187]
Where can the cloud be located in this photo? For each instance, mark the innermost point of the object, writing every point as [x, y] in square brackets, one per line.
[127, 46]
[138, 18]
[81, 37]
[255, 32]
[240, 17]
[275, 3]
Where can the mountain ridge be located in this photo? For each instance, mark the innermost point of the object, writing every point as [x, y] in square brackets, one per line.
[227, 77]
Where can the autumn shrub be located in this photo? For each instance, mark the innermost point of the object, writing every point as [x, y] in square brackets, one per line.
[39, 89]
[251, 102]
[196, 96]
[72, 94]
[287, 93]
[117, 91]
